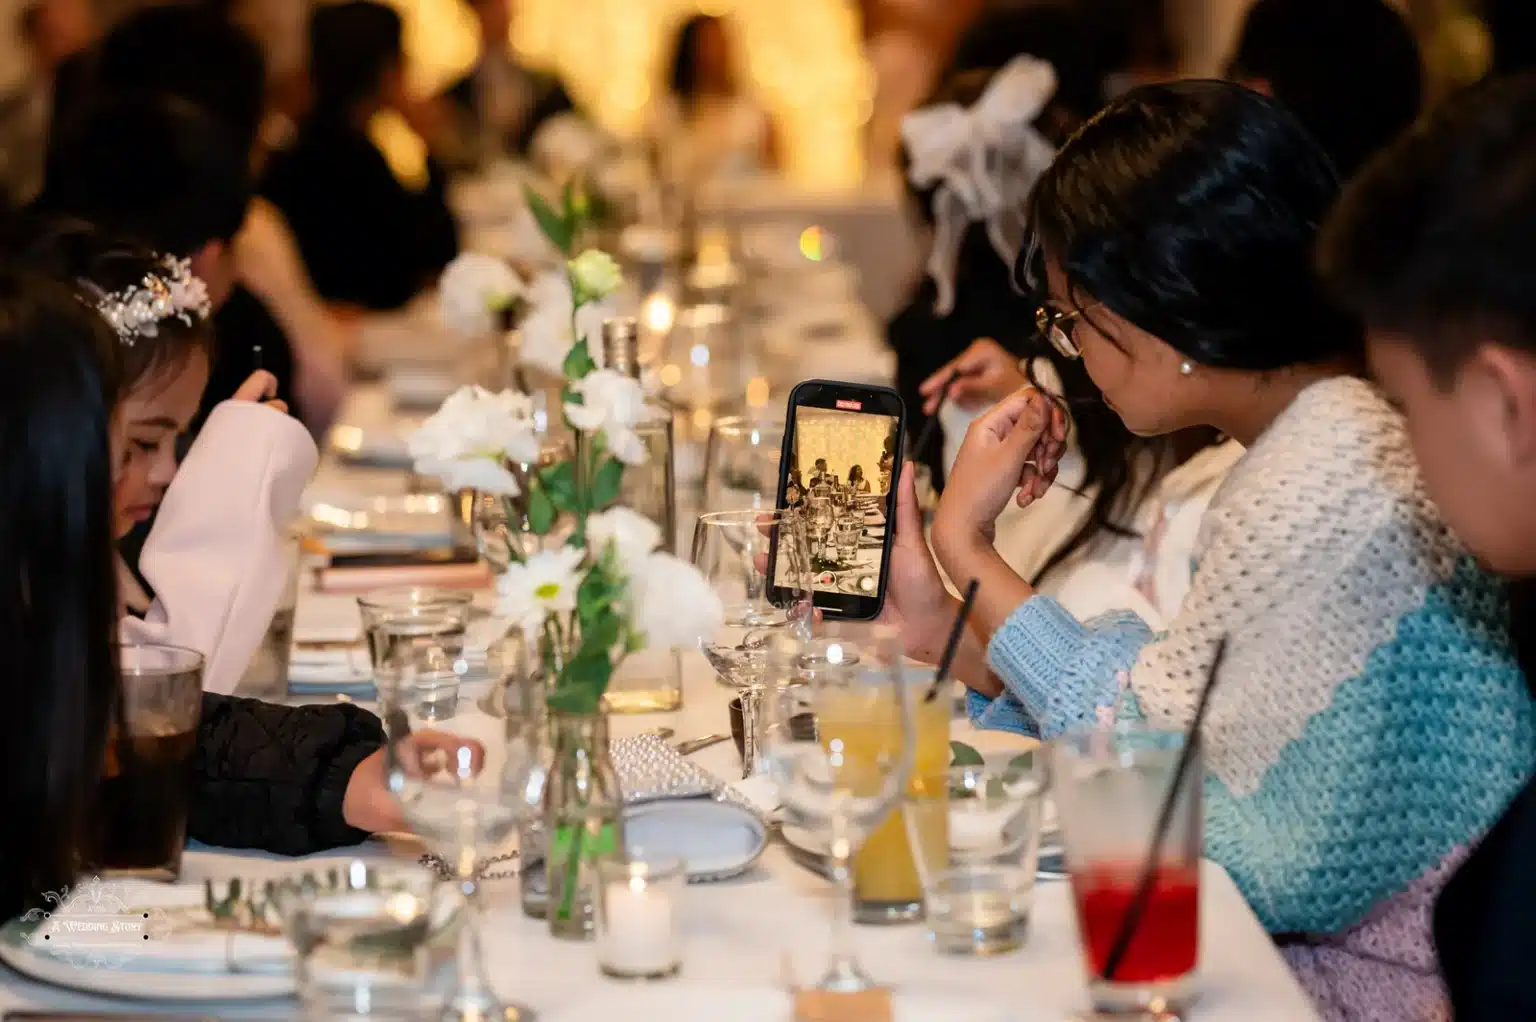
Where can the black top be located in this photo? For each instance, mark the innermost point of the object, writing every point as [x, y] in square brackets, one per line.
[1485, 918]
[240, 326]
[986, 305]
[367, 239]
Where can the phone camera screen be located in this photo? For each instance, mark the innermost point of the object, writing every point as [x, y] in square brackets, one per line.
[842, 461]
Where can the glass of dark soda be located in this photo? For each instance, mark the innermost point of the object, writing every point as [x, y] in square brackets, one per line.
[139, 827]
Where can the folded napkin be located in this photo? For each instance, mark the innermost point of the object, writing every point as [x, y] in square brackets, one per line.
[148, 927]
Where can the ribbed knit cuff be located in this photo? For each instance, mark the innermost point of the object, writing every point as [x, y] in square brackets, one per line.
[1060, 669]
[1001, 714]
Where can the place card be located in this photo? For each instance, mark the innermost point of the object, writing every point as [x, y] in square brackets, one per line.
[825, 1006]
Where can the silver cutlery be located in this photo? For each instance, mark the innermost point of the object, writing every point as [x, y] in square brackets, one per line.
[693, 745]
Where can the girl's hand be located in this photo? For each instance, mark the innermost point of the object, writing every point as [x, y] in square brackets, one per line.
[261, 386]
[983, 374]
[368, 803]
[1013, 446]
[916, 602]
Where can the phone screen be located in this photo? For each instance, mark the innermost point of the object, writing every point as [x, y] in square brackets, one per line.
[841, 462]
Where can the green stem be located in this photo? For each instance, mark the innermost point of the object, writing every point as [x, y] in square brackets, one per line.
[572, 875]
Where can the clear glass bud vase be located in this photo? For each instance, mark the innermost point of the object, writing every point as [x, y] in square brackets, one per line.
[582, 818]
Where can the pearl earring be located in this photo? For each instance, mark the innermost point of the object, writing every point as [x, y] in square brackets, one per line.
[1186, 368]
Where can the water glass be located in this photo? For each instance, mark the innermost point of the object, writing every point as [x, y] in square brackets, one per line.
[976, 838]
[1140, 928]
[741, 463]
[638, 936]
[362, 944]
[420, 630]
[140, 828]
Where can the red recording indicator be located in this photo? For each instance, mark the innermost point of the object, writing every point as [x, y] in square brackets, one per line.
[849, 405]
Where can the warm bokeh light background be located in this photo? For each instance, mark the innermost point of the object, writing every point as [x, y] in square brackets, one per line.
[799, 59]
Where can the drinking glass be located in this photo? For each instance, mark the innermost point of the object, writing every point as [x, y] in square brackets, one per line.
[361, 942]
[976, 838]
[431, 621]
[463, 793]
[741, 463]
[838, 787]
[140, 827]
[733, 549]
[1140, 927]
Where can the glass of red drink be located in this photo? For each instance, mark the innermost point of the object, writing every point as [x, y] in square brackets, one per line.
[1140, 926]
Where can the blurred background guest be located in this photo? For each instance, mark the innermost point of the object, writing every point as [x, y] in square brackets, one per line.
[499, 104]
[709, 123]
[370, 239]
[52, 32]
[1349, 69]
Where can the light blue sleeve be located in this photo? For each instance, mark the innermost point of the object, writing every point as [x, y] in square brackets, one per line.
[1057, 670]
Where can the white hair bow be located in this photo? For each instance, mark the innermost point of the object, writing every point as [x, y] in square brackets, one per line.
[981, 162]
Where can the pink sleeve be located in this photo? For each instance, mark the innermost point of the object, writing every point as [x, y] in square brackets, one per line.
[214, 557]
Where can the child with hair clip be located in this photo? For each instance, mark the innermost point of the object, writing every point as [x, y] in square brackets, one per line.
[213, 557]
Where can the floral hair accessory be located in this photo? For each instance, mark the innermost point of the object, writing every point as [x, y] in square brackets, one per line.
[136, 312]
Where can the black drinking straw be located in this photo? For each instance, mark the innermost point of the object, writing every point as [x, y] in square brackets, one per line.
[953, 645]
[1133, 915]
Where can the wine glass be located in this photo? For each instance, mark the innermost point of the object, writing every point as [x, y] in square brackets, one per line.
[464, 792]
[839, 784]
[733, 549]
[741, 462]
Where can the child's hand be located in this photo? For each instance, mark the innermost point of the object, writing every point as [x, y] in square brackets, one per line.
[261, 386]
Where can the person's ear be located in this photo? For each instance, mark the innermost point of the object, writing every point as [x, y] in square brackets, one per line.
[1499, 397]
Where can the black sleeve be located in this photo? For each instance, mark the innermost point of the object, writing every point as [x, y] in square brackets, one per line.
[273, 777]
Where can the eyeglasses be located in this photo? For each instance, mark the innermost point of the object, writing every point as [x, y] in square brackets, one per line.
[1056, 326]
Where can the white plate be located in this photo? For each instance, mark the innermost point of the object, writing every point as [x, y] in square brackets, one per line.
[137, 983]
[684, 1001]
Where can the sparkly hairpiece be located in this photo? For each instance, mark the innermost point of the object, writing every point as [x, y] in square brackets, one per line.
[136, 312]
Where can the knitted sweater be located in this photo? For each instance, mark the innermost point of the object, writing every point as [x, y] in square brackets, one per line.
[1369, 722]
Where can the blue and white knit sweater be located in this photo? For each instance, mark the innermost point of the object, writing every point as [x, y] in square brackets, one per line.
[1370, 721]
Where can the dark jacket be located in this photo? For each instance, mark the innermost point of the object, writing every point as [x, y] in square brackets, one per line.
[549, 99]
[273, 777]
[367, 239]
[1485, 917]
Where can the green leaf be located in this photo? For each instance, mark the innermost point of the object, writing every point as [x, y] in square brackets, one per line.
[541, 511]
[568, 207]
[1023, 761]
[559, 481]
[579, 362]
[606, 482]
[575, 699]
[963, 755]
[551, 223]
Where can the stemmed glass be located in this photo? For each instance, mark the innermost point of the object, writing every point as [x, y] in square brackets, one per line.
[741, 462]
[842, 783]
[464, 792]
[733, 550]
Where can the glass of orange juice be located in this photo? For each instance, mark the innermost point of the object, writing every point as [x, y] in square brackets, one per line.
[885, 882]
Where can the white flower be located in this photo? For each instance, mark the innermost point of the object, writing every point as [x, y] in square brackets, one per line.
[671, 603]
[545, 331]
[468, 441]
[595, 275]
[473, 291]
[612, 404]
[544, 584]
[632, 534]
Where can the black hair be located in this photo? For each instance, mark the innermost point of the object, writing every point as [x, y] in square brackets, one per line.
[352, 46]
[74, 253]
[58, 598]
[1314, 53]
[29, 21]
[195, 53]
[685, 75]
[1191, 209]
[153, 168]
[1433, 240]
[1512, 27]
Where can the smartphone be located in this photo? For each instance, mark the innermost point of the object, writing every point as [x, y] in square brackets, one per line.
[840, 464]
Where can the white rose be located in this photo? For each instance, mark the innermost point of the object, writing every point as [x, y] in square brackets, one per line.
[545, 332]
[595, 275]
[473, 291]
[544, 584]
[672, 604]
[632, 534]
[473, 435]
[612, 404]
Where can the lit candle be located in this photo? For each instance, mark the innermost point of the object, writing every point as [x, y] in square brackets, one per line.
[637, 923]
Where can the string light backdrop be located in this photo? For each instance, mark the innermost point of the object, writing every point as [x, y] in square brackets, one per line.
[801, 60]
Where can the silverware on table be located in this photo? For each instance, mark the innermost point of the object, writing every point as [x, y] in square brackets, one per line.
[693, 745]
